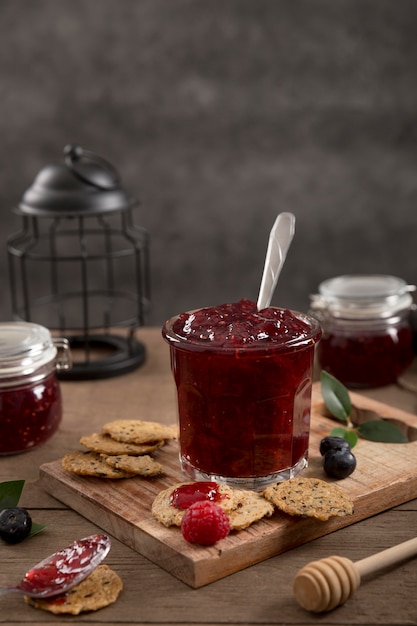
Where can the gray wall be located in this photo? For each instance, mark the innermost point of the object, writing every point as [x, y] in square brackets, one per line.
[219, 114]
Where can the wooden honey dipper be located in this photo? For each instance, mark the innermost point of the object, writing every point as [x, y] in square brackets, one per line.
[323, 585]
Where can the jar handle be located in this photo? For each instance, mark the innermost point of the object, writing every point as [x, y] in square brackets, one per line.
[63, 358]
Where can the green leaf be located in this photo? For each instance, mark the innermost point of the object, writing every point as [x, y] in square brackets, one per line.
[349, 435]
[382, 431]
[36, 528]
[10, 492]
[335, 396]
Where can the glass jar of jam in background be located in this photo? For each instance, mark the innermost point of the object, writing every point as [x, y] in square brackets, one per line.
[244, 392]
[367, 336]
[30, 397]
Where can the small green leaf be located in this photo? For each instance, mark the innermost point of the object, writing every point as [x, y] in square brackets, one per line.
[10, 492]
[384, 432]
[349, 435]
[335, 396]
[36, 528]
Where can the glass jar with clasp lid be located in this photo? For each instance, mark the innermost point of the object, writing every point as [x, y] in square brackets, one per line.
[30, 396]
[367, 338]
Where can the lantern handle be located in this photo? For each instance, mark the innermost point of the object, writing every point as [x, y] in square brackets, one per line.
[91, 168]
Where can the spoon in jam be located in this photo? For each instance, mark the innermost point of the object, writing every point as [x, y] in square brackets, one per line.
[280, 239]
[63, 569]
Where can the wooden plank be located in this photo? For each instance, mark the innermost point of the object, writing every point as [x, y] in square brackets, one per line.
[386, 476]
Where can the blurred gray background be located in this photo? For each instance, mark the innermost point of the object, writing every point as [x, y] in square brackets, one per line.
[219, 114]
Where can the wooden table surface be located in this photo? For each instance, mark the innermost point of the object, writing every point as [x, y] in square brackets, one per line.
[261, 594]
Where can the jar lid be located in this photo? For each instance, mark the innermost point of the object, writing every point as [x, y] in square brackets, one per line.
[24, 347]
[363, 296]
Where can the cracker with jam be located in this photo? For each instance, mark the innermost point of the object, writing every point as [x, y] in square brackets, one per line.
[243, 507]
[101, 588]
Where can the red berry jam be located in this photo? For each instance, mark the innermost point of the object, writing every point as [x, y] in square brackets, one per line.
[30, 398]
[66, 567]
[367, 336]
[29, 414]
[244, 391]
[185, 495]
[367, 359]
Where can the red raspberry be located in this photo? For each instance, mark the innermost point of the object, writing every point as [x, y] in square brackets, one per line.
[204, 522]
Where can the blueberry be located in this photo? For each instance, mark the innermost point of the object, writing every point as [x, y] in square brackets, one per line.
[339, 463]
[333, 443]
[15, 524]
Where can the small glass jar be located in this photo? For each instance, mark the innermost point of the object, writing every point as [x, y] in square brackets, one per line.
[367, 338]
[30, 397]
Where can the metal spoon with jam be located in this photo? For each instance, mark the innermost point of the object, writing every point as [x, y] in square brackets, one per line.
[63, 569]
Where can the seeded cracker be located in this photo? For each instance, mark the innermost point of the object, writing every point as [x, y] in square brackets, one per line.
[309, 497]
[138, 431]
[91, 464]
[248, 507]
[139, 465]
[243, 507]
[107, 445]
[101, 588]
[168, 515]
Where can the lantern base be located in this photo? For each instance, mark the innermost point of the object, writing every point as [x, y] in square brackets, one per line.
[122, 355]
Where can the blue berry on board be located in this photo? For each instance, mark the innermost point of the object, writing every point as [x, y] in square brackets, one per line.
[333, 443]
[339, 463]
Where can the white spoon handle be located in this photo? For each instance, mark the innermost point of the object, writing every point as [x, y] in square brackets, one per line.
[280, 239]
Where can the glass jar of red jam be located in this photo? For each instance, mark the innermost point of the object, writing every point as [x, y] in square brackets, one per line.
[244, 382]
[367, 336]
[30, 398]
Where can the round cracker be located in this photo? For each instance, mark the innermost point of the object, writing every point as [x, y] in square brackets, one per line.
[104, 444]
[249, 507]
[168, 515]
[101, 588]
[309, 497]
[138, 431]
[243, 507]
[91, 464]
[143, 465]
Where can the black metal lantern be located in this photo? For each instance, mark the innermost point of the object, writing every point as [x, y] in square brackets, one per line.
[80, 266]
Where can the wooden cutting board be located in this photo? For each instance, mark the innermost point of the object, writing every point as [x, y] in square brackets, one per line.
[386, 476]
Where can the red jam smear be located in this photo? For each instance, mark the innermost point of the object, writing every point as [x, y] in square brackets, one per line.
[245, 411]
[29, 414]
[368, 360]
[185, 495]
[66, 566]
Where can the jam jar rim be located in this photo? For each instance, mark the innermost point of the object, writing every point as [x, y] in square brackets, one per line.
[363, 305]
[24, 348]
[195, 345]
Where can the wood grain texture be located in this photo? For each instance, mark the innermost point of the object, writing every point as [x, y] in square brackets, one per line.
[386, 476]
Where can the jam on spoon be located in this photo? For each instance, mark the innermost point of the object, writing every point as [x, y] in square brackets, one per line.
[63, 569]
